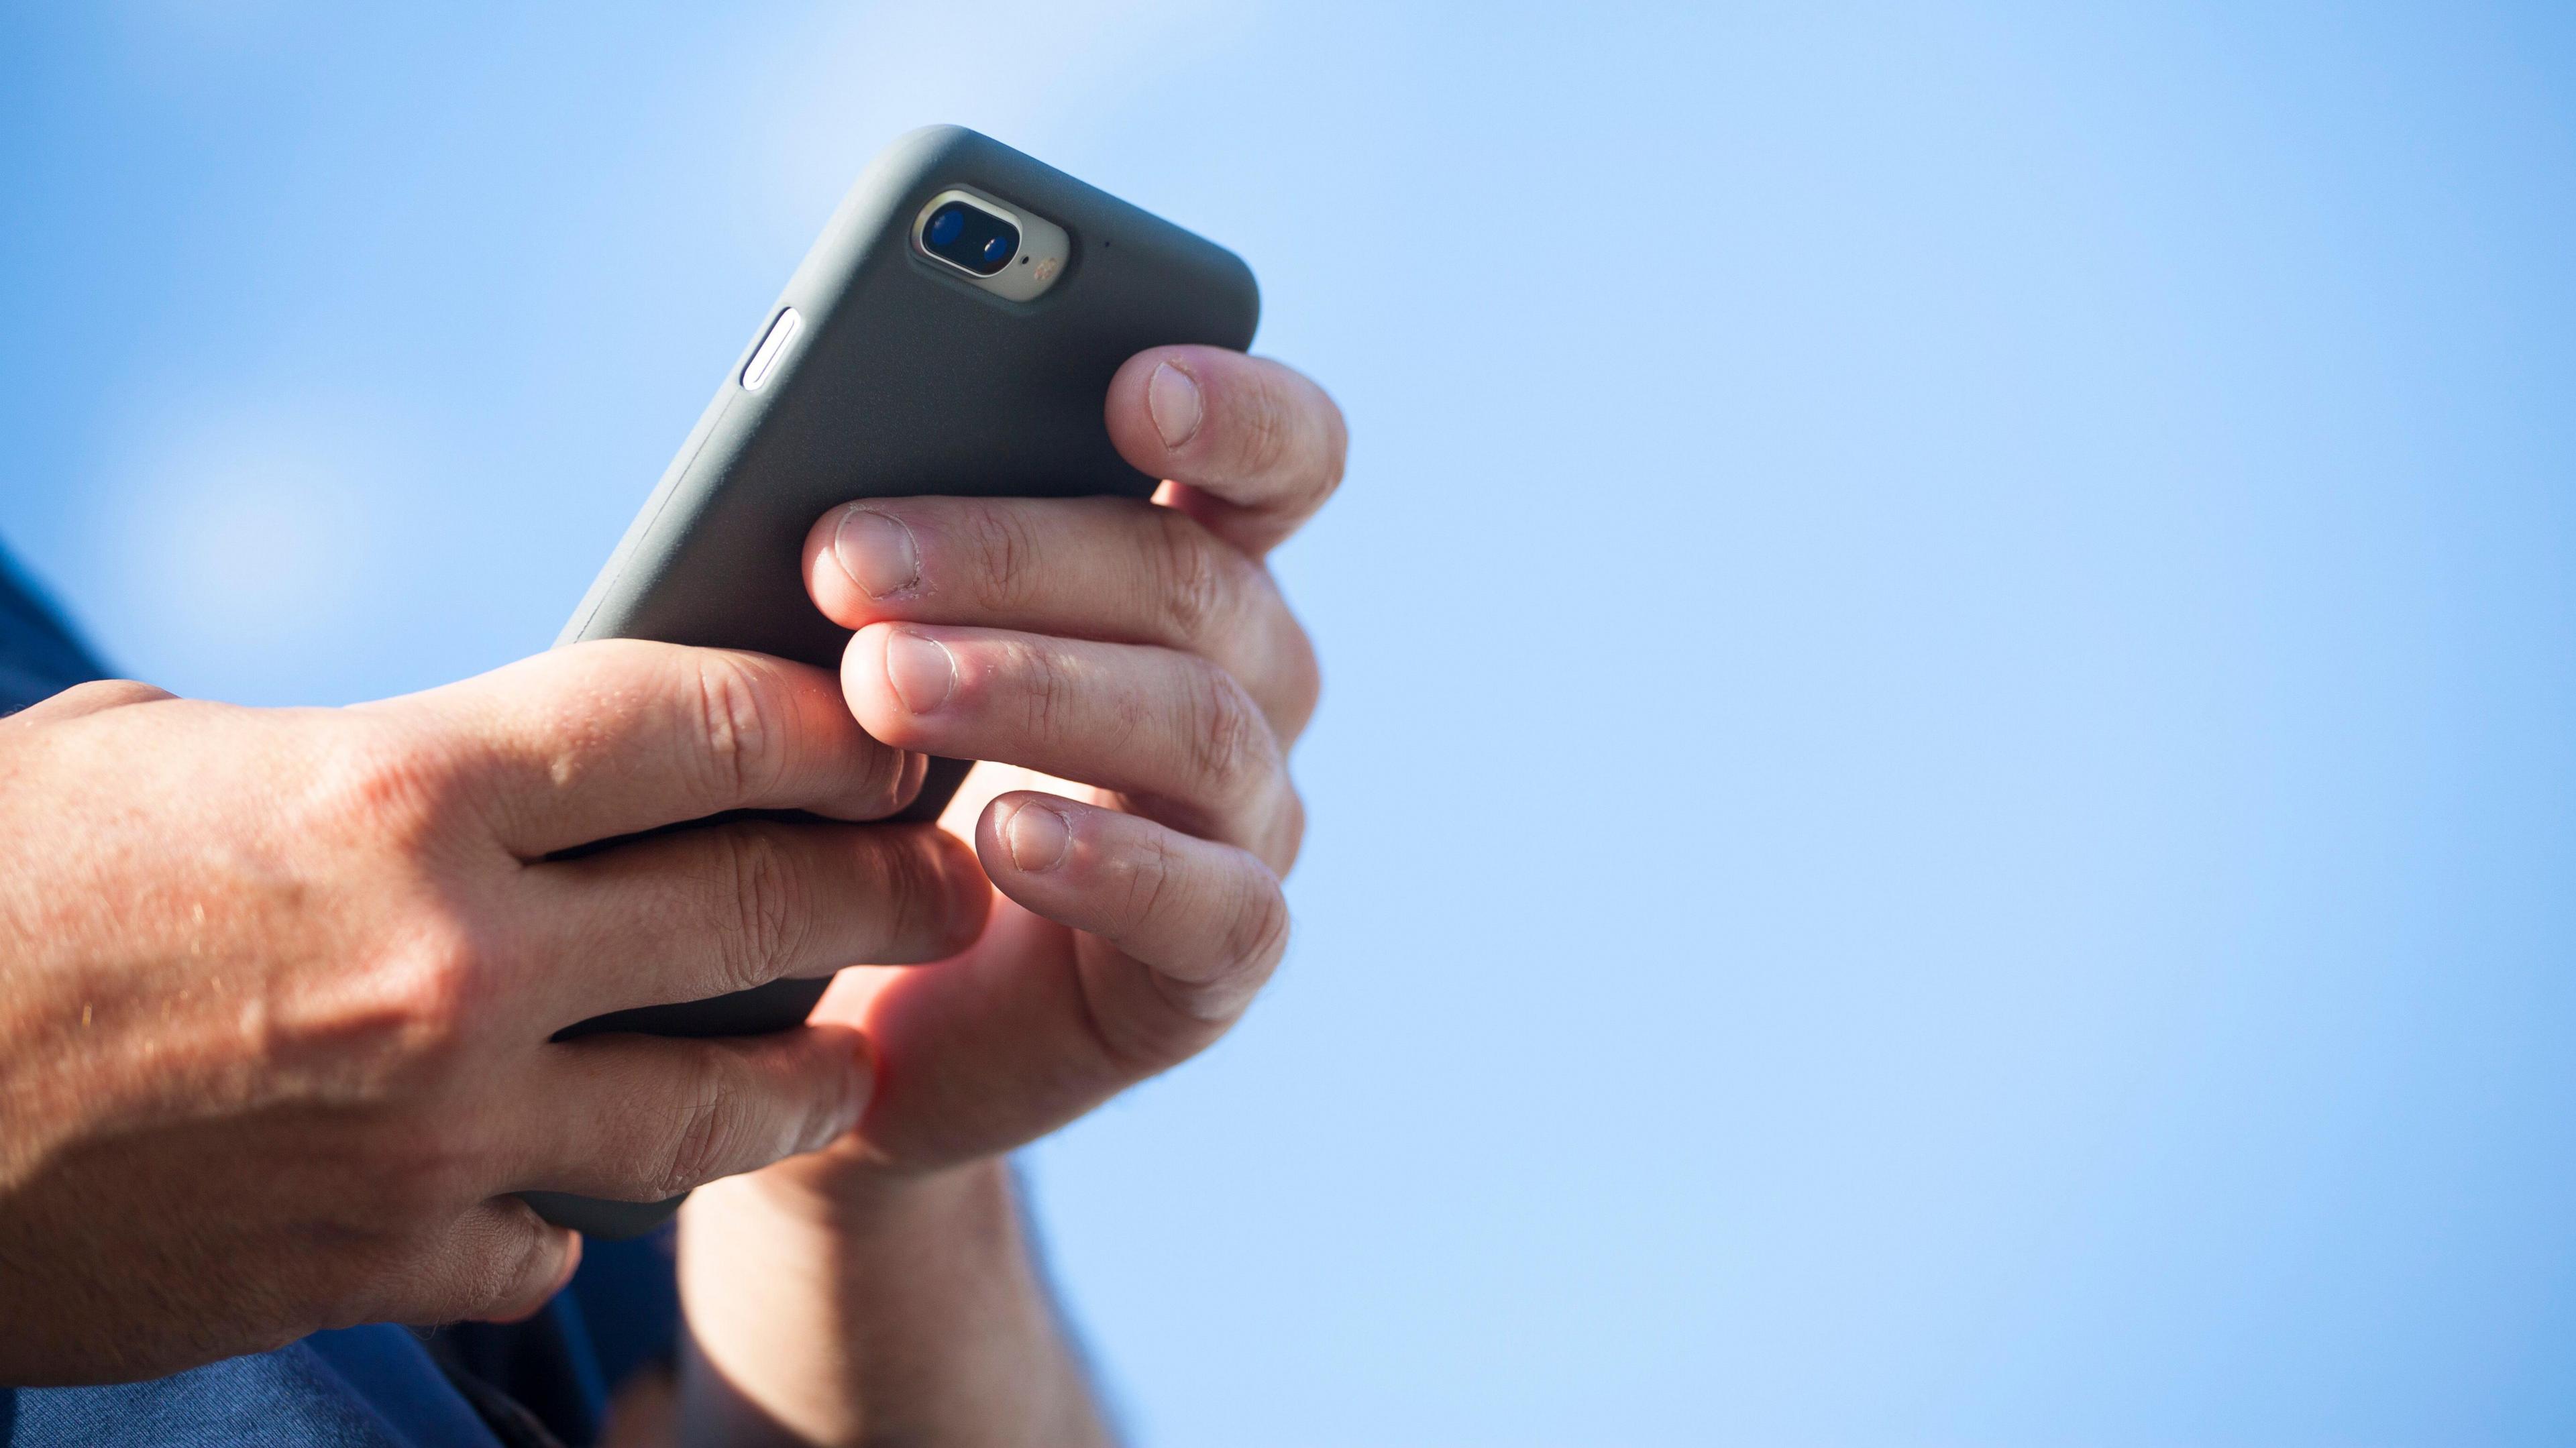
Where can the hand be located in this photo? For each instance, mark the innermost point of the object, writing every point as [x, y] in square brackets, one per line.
[276, 986]
[1141, 650]
[877, 1290]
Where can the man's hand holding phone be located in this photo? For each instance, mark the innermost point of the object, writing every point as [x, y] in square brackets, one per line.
[278, 986]
[1142, 652]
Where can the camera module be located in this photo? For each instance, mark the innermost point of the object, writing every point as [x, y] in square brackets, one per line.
[990, 244]
[967, 236]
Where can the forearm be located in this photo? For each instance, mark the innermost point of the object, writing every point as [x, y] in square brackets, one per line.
[903, 1312]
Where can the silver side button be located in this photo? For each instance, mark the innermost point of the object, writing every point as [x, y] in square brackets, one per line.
[772, 348]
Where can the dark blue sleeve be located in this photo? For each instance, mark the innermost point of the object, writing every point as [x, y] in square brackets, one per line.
[473, 1385]
[367, 1387]
[40, 656]
[629, 1296]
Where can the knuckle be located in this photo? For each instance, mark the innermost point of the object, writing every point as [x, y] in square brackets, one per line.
[106, 694]
[402, 1024]
[495, 1258]
[1231, 750]
[444, 982]
[1255, 937]
[423, 966]
[1252, 937]
[1184, 1007]
[1195, 592]
[1266, 436]
[1046, 687]
[705, 1134]
[913, 888]
[766, 906]
[737, 725]
[1291, 431]
[379, 784]
[1241, 946]
[1152, 883]
[1004, 548]
[518, 1265]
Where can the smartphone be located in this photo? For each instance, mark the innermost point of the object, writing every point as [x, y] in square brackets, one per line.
[952, 333]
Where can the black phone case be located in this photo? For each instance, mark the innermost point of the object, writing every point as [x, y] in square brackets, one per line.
[904, 380]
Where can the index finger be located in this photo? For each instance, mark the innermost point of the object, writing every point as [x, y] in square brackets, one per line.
[618, 736]
[1253, 447]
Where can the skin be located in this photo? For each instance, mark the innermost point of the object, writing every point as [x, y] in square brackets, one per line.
[305, 962]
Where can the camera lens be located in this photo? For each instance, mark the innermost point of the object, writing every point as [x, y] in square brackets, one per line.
[968, 236]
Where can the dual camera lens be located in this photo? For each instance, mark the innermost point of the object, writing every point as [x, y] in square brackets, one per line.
[970, 237]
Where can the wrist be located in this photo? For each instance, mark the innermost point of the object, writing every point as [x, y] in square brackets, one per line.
[825, 1191]
[869, 1306]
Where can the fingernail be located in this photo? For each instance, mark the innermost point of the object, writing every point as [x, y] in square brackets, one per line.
[1172, 400]
[920, 669]
[877, 551]
[1039, 838]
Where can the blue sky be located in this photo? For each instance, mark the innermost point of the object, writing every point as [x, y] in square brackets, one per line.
[1946, 806]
